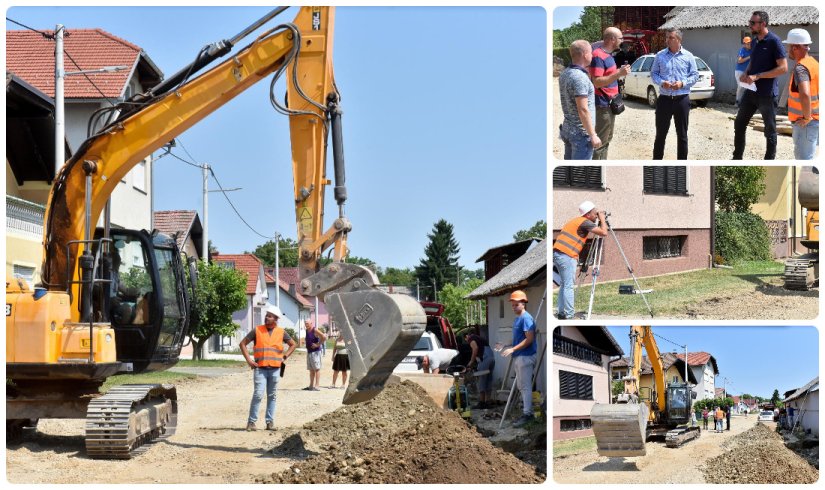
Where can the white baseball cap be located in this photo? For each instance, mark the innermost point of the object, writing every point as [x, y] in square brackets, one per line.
[586, 207]
[798, 36]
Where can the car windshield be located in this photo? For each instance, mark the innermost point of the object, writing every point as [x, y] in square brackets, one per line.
[701, 65]
[770, 414]
[423, 344]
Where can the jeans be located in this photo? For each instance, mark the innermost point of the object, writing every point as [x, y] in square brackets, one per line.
[264, 378]
[604, 129]
[719, 425]
[567, 272]
[750, 103]
[805, 140]
[577, 147]
[524, 380]
[485, 383]
[675, 107]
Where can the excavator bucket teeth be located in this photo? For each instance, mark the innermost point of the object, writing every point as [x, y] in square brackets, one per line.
[379, 329]
[619, 429]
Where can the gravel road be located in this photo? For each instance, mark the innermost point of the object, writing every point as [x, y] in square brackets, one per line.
[710, 134]
[660, 465]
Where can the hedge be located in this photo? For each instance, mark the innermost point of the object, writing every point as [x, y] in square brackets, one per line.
[741, 237]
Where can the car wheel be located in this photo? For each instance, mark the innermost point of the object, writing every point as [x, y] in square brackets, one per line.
[651, 97]
[702, 103]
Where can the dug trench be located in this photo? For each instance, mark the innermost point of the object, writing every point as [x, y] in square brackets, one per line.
[398, 437]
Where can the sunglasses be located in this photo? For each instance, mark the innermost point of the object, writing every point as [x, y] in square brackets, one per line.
[752, 22]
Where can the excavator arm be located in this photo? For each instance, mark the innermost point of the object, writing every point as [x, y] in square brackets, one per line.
[379, 328]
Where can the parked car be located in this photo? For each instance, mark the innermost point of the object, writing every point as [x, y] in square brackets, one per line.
[439, 325]
[766, 416]
[640, 84]
[427, 344]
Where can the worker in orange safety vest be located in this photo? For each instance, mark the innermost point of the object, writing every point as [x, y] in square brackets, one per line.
[803, 95]
[269, 357]
[566, 248]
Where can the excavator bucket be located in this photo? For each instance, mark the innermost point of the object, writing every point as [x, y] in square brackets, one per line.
[619, 428]
[379, 329]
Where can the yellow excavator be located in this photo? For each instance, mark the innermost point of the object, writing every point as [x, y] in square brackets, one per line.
[88, 321]
[623, 428]
[802, 272]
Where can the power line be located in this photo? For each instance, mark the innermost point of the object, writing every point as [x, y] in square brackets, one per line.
[89, 79]
[42, 33]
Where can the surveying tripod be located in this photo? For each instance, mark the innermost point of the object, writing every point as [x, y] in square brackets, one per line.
[594, 263]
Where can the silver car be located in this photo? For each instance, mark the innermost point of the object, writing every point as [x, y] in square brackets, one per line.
[427, 344]
[766, 416]
[638, 82]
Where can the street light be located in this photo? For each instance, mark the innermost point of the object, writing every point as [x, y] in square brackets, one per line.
[59, 113]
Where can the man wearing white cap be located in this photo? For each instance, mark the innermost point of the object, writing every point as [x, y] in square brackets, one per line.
[566, 248]
[269, 352]
[803, 95]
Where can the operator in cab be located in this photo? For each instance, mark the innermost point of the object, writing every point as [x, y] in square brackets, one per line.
[269, 352]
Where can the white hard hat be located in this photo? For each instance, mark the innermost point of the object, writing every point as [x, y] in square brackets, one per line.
[798, 36]
[586, 207]
[274, 310]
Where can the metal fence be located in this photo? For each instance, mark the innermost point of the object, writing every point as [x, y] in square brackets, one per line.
[24, 217]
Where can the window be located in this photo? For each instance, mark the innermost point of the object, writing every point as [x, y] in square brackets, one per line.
[662, 247]
[24, 272]
[139, 176]
[665, 180]
[648, 63]
[574, 424]
[637, 65]
[501, 308]
[701, 65]
[575, 386]
[229, 264]
[579, 177]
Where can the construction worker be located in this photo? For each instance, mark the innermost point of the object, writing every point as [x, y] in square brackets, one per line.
[803, 95]
[524, 353]
[269, 352]
[566, 248]
[605, 76]
[578, 130]
[767, 63]
[743, 59]
[719, 415]
[674, 71]
[437, 361]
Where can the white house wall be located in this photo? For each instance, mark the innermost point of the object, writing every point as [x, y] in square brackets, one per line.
[808, 409]
[601, 386]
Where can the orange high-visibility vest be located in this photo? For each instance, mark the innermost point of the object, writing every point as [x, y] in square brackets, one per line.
[269, 348]
[568, 241]
[794, 102]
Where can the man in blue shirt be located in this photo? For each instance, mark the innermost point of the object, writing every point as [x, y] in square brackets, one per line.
[674, 71]
[524, 353]
[767, 63]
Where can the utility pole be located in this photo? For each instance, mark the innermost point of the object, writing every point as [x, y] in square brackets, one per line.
[417, 289]
[205, 243]
[278, 278]
[59, 128]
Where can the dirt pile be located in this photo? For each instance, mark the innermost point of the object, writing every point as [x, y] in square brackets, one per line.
[759, 456]
[400, 436]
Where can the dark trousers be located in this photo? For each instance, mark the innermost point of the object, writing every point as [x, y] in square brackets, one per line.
[675, 107]
[748, 106]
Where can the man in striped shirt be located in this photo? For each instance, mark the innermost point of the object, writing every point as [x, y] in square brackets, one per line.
[605, 76]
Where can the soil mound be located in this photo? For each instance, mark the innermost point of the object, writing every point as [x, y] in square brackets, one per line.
[759, 456]
[400, 436]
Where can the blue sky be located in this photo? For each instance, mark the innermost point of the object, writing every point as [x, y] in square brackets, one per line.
[565, 16]
[754, 359]
[444, 117]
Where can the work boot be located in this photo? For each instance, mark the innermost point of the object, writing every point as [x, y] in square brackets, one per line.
[523, 420]
[250, 427]
[270, 426]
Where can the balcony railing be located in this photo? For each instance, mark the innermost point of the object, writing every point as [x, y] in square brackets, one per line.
[24, 217]
[570, 348]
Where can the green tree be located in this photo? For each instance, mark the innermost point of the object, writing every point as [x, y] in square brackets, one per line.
[775, 399]
[588, 27]
[440, 263]
[221, 291]
[397, 277]
[287, 250]
[739, 187]
[368, 263]
[618, 388]
[456, 307]
[538, 230]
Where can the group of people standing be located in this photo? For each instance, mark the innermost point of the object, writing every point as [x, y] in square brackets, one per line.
[717, 416]
[590, 100]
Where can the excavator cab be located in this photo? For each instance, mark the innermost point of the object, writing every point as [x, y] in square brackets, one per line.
[679, 401]
[145, 296]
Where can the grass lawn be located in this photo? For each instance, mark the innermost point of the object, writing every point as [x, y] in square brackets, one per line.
[227, 363]
[574, 446]
[673, 293]
[144, 378]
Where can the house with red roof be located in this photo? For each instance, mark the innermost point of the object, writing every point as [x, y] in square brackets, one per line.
[30, 166]
[257, 295]
[705, 370]
[701, 365]
[185, 227]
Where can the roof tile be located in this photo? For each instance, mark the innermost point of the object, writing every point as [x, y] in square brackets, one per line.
[248, 263]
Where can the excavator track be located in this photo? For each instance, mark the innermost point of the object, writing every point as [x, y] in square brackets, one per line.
[121, 423]
[681, 435]
[802, 273]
